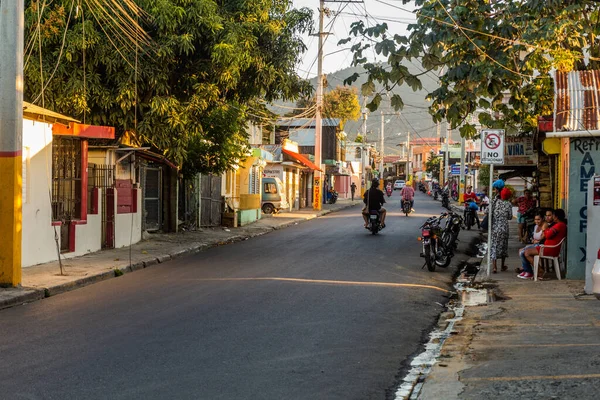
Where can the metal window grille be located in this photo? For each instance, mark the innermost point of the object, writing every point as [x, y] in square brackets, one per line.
[66, 178]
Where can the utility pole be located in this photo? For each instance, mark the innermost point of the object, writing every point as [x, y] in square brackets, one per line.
[382, 151]
[439, 141]
[461, 183]
[448, 134]
[409, 158]
[364, 153]
[11, 139]
[317, 194]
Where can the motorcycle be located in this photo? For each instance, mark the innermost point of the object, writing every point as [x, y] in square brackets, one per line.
[436, 192]
[470, 213]
[454, 194]
[454, 222]
[374, 222]
[434, 251]
[332, 197]
[388, 191]
[422, 187]
[406, 208]
[445, 199]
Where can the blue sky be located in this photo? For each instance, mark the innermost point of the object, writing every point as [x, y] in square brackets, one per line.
[344, 14]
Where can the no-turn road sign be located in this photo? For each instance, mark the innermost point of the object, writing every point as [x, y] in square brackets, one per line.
[492, 146]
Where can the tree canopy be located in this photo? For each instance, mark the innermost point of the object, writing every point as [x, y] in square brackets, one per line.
[492, 58]
[432, 166]
[184, 76]
[341, 102]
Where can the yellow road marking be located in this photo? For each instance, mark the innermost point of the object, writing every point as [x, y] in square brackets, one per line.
[532, 378]
[332, 282]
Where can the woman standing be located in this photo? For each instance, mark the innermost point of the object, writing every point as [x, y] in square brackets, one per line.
[501, 214]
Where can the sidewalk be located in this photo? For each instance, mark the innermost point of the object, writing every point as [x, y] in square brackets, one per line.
[45, 280]
[537, 340]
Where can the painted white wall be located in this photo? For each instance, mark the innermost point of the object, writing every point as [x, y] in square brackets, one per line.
[87, 237]
[123, 224]
[38, 245]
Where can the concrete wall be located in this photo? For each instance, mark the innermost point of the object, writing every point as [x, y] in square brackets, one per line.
[584, 157]
[126, 230]
[38, 243]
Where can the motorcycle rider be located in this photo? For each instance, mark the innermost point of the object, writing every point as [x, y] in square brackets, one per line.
[408, 194]
[374, 200]
[471, 196]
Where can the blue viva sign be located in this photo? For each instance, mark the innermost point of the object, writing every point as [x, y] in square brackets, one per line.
[584, 156]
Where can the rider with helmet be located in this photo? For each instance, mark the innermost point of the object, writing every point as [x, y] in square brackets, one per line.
[374, 200]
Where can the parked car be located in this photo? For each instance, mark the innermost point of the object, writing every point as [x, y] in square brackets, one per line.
[399, 184]
[273, 197]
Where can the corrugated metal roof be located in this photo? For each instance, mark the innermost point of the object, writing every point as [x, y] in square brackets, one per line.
[308, 122]
[36, 113]
[576, 100]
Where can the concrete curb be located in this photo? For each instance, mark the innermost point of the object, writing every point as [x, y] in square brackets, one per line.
[34, 294]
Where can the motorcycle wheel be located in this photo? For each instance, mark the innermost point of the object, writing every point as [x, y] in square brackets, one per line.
[469, 221]
[374, 228]
[443, 261]
[429, 257]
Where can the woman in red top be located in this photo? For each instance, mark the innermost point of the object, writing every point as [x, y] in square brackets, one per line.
[552, 237]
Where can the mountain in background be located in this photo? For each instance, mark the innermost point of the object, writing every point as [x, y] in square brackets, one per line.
[414, 118]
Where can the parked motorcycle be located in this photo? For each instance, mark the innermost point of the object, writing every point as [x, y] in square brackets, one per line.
[436, 254]
[445, 199]
[332, 197]
[374, 222]
[470, 213]
[454, 194]
[436, 192]
[406, 208]
[454, 223]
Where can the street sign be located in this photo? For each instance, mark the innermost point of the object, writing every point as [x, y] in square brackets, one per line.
[492, 146]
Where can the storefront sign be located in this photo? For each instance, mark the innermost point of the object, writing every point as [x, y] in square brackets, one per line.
[273, 171]
[518, 151]
[317, 194]
[584, 156]
[597, 190]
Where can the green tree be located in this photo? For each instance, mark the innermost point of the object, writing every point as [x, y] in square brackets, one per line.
[493, 58]
[185, 76]
[341, 102]
[484, 175]
[432, 166]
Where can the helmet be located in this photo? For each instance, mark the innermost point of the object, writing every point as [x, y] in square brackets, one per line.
[499, 184]
[375, 182]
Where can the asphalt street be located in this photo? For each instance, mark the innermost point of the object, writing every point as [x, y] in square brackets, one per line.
[320, 310]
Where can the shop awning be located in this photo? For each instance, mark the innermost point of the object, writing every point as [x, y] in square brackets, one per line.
[301, 159]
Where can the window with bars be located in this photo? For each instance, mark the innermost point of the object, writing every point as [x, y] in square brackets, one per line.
[66, 178]
[254, 180]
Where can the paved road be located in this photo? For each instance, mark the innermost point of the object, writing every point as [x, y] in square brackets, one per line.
[289, 315]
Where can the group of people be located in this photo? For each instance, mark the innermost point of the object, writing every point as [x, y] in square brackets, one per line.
[550, 230]
[374, 201]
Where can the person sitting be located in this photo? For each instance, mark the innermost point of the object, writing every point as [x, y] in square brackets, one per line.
[552, 236]
[538, 238]
[408, 194]
[470, 195]
[374, 200]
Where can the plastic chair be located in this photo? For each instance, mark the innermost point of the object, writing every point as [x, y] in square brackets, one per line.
[541, 256]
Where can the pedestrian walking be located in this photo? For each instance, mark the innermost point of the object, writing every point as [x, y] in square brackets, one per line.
[501, 214]
[353, 190]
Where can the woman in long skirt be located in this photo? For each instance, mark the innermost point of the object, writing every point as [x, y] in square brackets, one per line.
[501, 214]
